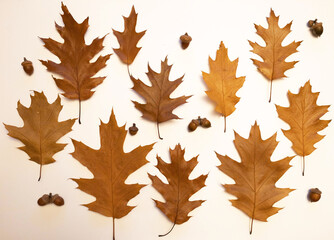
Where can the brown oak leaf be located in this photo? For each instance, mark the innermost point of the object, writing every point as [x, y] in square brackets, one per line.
[75, 68]
[159, 106]
[303, 116]
[255, 176]
[179, 188]
[223, 83]
[274, 54]
[41, 129]
[110, 166]
[128, 39]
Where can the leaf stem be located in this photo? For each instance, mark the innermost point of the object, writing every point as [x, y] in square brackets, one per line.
[159, 131]
[127, 66]
[271, 89]
[113, 228]
[162, 235]
[224, 124]
[303, 164]
[79, 110]
[40, 172]
[251, 226]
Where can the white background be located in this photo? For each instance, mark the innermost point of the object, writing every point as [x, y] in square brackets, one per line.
[208, 22]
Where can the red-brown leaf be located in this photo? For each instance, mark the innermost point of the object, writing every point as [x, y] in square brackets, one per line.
[179, 188]
[159, 106]
[75, 68]
[128, 39]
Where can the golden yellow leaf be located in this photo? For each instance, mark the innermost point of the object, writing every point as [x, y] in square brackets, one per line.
[223, 83]
[303, 116]
[255, 176]
[274, 54]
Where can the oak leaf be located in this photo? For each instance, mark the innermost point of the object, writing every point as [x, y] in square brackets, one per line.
[303, 116]
[75, 68]
[179, 188]
[41, 129]
[255, 176]
[159, 106]
[223, 83]
[110, 166]
[128, 39]
[274, 54]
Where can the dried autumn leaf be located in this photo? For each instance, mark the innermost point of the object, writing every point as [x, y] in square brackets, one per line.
[159, 106]
[179, 188]
[128, 39]
[303, 116]
[255, 176]
[41, 129]
[274, 54]
[75, 56]
[223, 83]
[110, 166]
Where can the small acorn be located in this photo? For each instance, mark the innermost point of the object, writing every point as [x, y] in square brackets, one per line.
[205, 123]
[27, 66]
[316, 27]
[193, 125]
[185, 40]
[45, 199]
[133, 130]
[58, 200]
[314, 195]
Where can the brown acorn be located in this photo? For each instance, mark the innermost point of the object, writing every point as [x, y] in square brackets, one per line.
[58, 200]
[185, 40]
[316, 27]
[45, 199]
[193, 125]
[205, 123]
[27, 66]
[133, 129]
[314, 195]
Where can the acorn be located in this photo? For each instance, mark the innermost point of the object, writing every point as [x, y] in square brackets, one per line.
[58, 200]
[27, 66]
[314, 195]
[42, 201]
[205, 123]
[193, 125]
[316, 27]
[45, 199]
[185, 40]
[133, 130]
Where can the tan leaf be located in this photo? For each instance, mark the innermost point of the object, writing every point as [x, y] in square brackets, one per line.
[223, 83]
[128, 39]
[255, 176]
[274, 54]
[159, 106]
[303, 116]
[41, 129]
[179, 188]
[110, 166]
[75, 68]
